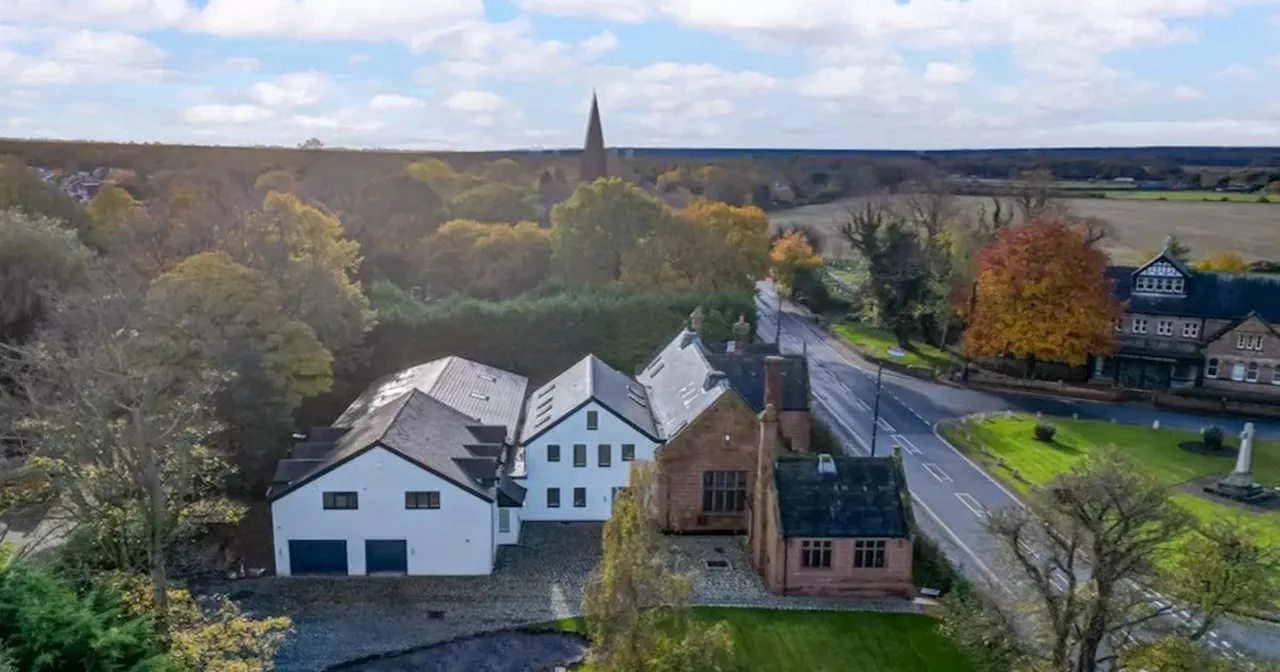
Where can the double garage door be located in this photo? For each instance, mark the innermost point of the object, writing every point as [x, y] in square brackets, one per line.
[329, 556]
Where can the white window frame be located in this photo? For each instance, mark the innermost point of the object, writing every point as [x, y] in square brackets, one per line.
[1251, 372]
[1164, 327]
[1238, 371]
[1191, 330]
[504, 520]
[1275, 375]
[1178, 285]
[1139, 325]
[1248, 342]
[1118, 324]
[1211, 367]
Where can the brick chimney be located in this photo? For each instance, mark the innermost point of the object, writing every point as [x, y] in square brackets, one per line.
[773, 381]
[764, 481]
[697, 319]
[741, 335]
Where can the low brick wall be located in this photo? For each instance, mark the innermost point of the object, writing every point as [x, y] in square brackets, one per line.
[1057, 388]
[1219, 405]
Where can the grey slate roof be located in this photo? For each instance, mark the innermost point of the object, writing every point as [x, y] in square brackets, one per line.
[589, 379]
[422, 429]
[866, 497]
[746, 374]
[681, 383]
[488, 395]
[1212, 295]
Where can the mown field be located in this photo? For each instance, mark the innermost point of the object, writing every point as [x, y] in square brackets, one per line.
[1252, 229]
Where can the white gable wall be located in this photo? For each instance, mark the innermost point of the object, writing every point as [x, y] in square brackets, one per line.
[599, 481]
[512, 536]
[455, 539]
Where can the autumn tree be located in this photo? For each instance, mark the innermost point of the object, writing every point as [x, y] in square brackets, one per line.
[38, 257]
[120, 433]
[304, 251]
[594, 230]
[219, 315]
[441, 177]
[790, 254]
[390, 216]
[489, 261]
[637, 606]
[1222, 262]
[709, 245]
[109, 209]
[277, 179]
[1042, 295]
[504, 171]
[495, 202]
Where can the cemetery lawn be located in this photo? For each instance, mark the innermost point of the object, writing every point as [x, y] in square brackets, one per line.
[1155, 451]
[768, 640]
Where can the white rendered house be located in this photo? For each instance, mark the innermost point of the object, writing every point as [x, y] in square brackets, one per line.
[581, 433]
[409, 483]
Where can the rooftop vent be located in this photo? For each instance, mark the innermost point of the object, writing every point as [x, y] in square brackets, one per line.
[716, 564]
[481, 397]
[485, 376]
[547, 390]
[713, 379]
[654, 371]
[826, 465]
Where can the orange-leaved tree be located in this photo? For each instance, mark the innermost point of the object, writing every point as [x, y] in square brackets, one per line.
[1042, 296]
[791, 253]
[1223, 262]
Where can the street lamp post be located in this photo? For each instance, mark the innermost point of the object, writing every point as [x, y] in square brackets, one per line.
[875, 421]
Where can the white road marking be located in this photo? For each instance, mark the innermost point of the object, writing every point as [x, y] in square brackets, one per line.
[972, 504]
[937, 472]
[884, 424]
[861, 404]
[906, 444]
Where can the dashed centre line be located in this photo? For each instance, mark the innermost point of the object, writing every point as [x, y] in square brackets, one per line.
[972, 504]
[906, 444]
[937, 472]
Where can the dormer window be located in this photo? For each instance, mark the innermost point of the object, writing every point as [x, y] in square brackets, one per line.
[1161, 276]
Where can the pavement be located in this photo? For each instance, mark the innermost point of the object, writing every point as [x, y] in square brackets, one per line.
[951, 491]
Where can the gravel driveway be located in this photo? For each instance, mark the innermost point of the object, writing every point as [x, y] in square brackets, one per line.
[346, 618]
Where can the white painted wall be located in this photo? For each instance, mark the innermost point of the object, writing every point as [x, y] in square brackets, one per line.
[598, 481]
[512, 536]
[455, 539]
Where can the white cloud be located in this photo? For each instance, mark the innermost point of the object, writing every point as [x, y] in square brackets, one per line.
[358, 59]
[213, 113]
[475, 101]
[612, 10]
[1184, 92]
[110, 48]
[947, 73]
[242, 63]
[674, 86]
[1239, 71]
[395, 102]
[298, 89]
[597, 45]
[402, 20]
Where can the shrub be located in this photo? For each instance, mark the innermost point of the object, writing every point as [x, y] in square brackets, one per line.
[930, 567]
[1263, 199]
[822, 439]
[1213, 437]
[1045, 431]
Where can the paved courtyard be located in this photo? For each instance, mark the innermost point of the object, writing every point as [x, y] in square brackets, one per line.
[344, 618]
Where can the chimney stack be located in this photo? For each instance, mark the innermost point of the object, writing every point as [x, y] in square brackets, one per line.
[741, 335]
[697, 319]
[773, 381]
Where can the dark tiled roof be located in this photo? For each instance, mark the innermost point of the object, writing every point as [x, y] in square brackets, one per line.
[722, 347]
[864, 498]
[589, 379]
[424, 430]
[681, 384]
[485, 394]
[746, 374]
[510, 493]
[1225, 296]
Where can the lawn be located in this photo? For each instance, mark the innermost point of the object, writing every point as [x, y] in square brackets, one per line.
[876, 343]
[769, 640]
[1156, 451]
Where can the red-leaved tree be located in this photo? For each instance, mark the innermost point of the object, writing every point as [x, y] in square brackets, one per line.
[1042, 296]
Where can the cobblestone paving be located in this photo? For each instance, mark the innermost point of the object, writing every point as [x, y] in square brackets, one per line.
[344, 618]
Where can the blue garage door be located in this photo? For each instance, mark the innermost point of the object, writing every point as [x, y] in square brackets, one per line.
[384, 556]
[318, 557]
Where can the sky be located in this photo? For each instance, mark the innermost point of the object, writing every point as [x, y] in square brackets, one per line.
[518, 74]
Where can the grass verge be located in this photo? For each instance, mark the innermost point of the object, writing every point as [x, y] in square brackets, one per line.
[876, 343]
[1029, 461]
[819, 641]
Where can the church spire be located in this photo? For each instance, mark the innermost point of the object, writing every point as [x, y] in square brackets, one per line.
[594, 160]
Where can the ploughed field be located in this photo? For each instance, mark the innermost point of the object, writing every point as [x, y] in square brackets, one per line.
[1252, 229]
